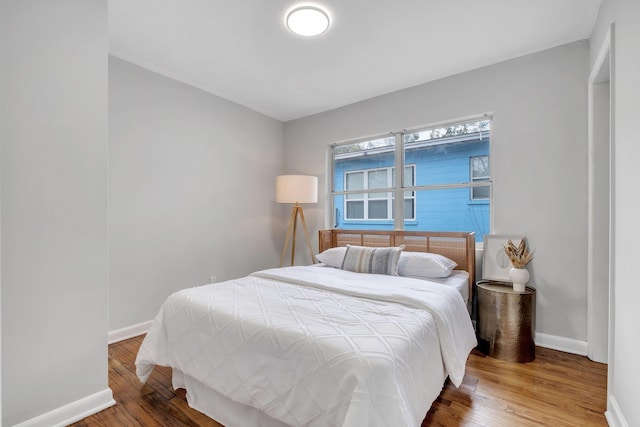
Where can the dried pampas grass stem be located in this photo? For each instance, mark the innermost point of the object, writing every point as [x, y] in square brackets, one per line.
[518, 255]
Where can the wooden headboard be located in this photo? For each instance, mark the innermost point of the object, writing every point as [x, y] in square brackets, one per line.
[458, 246]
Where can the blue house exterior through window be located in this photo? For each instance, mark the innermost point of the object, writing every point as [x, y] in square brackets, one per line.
[447, 181]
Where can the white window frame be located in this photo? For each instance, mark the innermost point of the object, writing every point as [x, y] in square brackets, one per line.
[385, 193]
[473, 178]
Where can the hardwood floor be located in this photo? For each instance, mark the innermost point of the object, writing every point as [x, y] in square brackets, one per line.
[557, 389]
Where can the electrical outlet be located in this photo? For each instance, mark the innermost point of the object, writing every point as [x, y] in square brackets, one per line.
[212, 279]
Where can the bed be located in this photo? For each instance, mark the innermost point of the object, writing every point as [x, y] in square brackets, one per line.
[317, 345]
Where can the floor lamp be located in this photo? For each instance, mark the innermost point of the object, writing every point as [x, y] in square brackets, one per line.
[296, 189]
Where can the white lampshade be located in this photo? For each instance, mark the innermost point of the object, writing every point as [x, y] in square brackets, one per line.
[297, 189]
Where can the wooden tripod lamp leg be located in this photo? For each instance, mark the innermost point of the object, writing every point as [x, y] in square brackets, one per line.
[290, 228]
[293, 225]
[296, 210]
[306, 233]
[296, 189]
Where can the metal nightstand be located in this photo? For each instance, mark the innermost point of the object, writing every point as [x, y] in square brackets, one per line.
[506, 321]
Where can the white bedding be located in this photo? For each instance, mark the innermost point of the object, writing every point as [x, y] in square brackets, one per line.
[314, 347]
[458, 279]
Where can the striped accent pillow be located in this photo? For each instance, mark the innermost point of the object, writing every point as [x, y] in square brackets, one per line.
[362, 259]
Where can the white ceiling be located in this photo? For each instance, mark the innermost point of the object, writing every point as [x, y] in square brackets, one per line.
[242, 51]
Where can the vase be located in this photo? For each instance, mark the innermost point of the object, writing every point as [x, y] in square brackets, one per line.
[519, 277]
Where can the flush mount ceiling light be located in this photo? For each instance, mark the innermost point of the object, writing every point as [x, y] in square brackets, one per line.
[308, 21]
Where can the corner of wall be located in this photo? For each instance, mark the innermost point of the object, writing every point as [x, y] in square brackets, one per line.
[614, 416]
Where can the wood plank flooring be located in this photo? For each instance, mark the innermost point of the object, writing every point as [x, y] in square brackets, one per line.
[557, 389]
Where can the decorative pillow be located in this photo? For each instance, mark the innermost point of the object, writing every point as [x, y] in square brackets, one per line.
[361, 259]
[332, 256]
[424, 264]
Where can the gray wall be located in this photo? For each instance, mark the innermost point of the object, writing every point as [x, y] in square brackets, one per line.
[539, 160]
[54, 204]
[624, 375]
[191, 190]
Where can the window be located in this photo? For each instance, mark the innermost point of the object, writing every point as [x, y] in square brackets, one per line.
[479, 171]
[379, 205]
[445, 184]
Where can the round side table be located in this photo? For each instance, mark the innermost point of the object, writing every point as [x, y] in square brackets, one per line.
[506, 321]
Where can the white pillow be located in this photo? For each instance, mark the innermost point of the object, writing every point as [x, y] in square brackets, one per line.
[332, 256]
[424, 264]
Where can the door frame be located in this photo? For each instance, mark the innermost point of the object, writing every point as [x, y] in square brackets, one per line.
[598, 342]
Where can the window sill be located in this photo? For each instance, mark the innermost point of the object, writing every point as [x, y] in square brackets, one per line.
[376, 222]
[368, 221]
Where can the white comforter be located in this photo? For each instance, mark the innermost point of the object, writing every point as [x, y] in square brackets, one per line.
[316, 346]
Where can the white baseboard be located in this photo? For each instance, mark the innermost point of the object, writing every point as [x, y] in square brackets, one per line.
[567, 345]
[74, 411]
[128, 332]
[614, 415]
